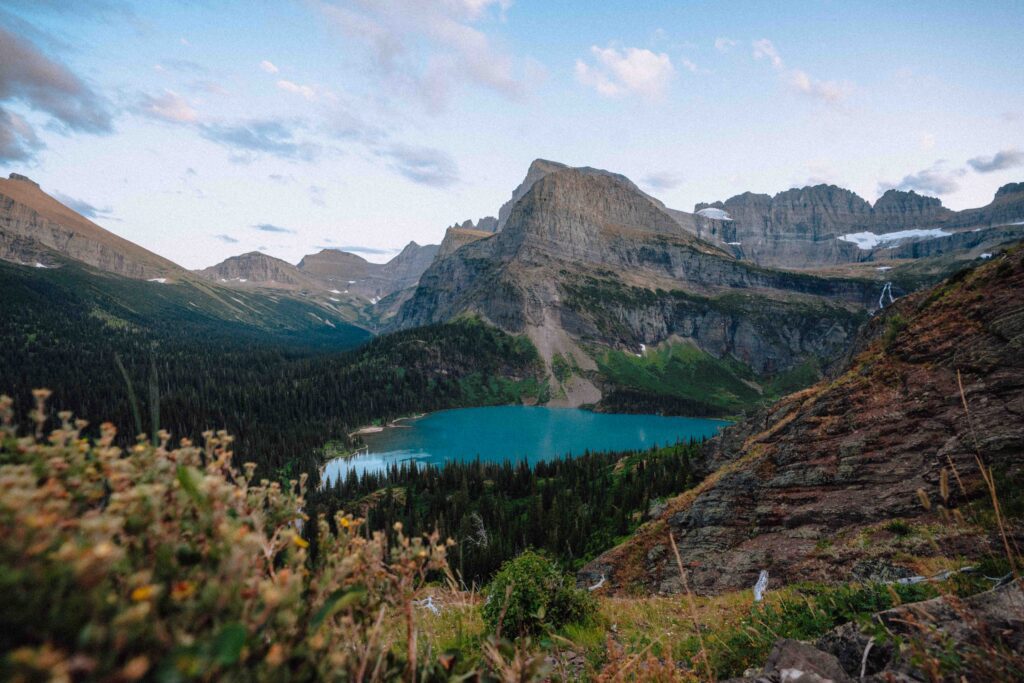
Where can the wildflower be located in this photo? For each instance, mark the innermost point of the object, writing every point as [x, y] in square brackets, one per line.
[346, 522]
[276, 655]
[300, 541]
[181, 590]
[136, 668]
[143, 593]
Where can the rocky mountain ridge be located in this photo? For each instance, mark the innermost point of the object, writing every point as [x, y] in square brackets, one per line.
[585, 258]
[34, 227]
[794, 489]
[824, 225]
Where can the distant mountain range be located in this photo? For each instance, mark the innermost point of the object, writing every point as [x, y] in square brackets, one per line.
[596, 272]
[623, 296]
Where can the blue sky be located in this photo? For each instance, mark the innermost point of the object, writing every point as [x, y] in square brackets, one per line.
[205, 129]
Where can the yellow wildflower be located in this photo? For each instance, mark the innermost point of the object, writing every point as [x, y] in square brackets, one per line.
[143, 593]
[300, 541]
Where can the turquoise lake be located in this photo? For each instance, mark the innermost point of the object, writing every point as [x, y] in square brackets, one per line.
[516, 433]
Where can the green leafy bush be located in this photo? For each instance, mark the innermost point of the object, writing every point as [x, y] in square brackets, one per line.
[530, 594]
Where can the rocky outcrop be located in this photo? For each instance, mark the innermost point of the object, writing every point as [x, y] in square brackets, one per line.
[828, 464]
[907, 642]
[454, 238]
[257, 268]
[31, 222]
[538, 169]
[334, 265]
[801, 228]
[586, 258]
[405, 269]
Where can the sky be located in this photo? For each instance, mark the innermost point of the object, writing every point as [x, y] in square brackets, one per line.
[203, 129]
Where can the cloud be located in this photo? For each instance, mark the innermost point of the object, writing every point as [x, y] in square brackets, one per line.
[690, 66]
[724, 44]
[83, 207]
[270, 227]
[365, 250]
[269, 136]
[628, 71]
[316, 195]
[830, 92]
[661, 181]
[1000, 161]
[423, 165]
[430, 48]
[304, 90]
[226, 238]
[935, 180]
[765, 49]
[29, 77]
[926, 141]
[18, 142]
[170, 107]
[269, 67]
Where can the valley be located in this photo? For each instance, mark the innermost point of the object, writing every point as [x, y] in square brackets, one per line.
[588, 375]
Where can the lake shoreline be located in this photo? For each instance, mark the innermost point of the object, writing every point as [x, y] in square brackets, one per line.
[515, 433]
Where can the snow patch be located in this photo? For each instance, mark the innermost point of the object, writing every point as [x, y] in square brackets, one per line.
[334, 291]
[869, 240]
[351, 282]
[41, 265]
[733, 244]
[337, 301]
[643, 350]
[715, 214]
[161, 280]
[986, 255]
[883, 268]
[374, 300]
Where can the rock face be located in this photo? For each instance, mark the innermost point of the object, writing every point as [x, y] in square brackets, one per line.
[791, 489]
[454, 238]
[801, 228]
[34, 227]
[584, 258]
[987, 629]
[330, 270]
[258, 268]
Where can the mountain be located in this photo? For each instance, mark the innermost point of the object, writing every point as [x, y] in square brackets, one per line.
[353, 274]
[811, 488]
[258, 268]
[823, 225]
[34, 226]
[586, 263]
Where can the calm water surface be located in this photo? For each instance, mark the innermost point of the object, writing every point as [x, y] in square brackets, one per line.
[516, 433]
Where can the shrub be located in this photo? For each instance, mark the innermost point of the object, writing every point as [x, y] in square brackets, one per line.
[174, 565]
[530, 594]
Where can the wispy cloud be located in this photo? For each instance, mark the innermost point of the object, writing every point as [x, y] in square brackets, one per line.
[269, 67]
[937, 180]
[226, 238]
[423, 165]
[170, 107]
[304, 90]
[83, 207]
[269, 136]
[633, 71]
[661, 181]
[316, 195]
[1000, 161]
[365, 250]
[830, 92]
[431, 48]
[45, 86]
[724, 44]
[270, 227]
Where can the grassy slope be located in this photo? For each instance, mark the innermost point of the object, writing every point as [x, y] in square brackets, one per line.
[675, 377]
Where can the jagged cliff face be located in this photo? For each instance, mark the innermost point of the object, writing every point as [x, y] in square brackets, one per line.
[34, 227]
[804, 228]
[585, 258]
[794, 489]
